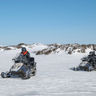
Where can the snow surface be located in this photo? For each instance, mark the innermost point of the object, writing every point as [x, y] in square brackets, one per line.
[54, 77]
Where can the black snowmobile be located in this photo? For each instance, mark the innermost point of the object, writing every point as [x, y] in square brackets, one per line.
[88, 63]
[20, 69]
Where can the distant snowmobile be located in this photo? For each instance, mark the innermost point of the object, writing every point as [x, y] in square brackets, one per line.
[19, 69]
[88, 63]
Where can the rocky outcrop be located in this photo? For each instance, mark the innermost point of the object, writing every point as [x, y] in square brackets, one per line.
[68, 48]
[52, 48]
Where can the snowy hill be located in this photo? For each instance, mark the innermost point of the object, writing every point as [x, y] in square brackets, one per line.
[40, 49]
[33, 47]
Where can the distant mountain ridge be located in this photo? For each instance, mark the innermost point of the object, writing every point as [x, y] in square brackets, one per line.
[46, 49]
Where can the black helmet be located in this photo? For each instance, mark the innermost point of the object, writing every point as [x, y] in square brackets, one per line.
[92, 53]
[23, 49]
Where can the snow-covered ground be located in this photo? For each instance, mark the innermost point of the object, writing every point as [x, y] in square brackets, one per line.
[54, 77]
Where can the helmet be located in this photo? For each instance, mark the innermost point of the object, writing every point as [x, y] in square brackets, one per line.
[92, 53]
[23, 49]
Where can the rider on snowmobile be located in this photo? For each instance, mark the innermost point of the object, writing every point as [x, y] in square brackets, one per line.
[24, 56]
[24, 67]
[88, 63]
[92, 58]
[25, 53]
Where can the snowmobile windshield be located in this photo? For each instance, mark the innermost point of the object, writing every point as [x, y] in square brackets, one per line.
[18, 58]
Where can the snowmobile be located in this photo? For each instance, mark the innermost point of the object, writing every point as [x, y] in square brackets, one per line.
[20, 69]
[88, 63]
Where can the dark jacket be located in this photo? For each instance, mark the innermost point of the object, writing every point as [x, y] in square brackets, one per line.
[24, 57]
[26, 54]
